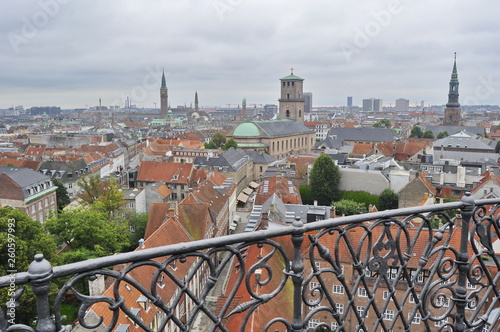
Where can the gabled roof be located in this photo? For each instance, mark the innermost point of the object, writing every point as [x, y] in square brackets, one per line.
[153, 171]
[280, 186]
[360, 149]
[363, 134]
[487, 177]
[260, 157]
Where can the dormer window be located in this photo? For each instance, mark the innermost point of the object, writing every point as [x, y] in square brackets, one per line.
[143, 302]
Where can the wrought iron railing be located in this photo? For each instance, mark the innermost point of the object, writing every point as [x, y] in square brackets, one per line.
[398, 270]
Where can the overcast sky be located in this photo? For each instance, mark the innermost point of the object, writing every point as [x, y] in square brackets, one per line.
[69, 53]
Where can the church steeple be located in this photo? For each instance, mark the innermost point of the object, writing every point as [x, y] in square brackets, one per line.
[452, 113]
[453, 93]
[163, 96]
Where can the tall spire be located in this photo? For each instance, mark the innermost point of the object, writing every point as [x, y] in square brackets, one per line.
[452, 112]
[454, 74]
[163, 80]
[196, 97]
[453, 93]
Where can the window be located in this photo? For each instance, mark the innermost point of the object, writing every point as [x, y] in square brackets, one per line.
[411, 299]
[388, 315]
[334, 326]
[361, 311]
[313, 285]
[131, 205]
[368, 273]
[362, 292]
[318, 265]
[471, 286]
[416, 319]
[440, 323]
[313, 323]
[70, 185]
[340, 308]
[338, 289]
[443, 301]
[392, 273]
[386, 295]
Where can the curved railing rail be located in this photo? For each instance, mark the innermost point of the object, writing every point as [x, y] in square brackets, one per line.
[405, 269]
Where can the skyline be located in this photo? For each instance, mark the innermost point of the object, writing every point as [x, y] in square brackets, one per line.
[70, 53]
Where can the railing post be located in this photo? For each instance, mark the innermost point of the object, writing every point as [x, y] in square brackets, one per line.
[462, 262]
[298, 275]
[40, 272]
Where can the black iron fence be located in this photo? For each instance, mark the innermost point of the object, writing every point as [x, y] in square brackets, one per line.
[430, 268]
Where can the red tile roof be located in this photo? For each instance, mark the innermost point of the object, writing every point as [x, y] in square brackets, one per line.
[153, 171]
[280, 186]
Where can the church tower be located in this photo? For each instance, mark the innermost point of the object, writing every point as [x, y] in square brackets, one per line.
[163, 96]
[196, 101]
[244, 108]
[291, 103]
[452, 113]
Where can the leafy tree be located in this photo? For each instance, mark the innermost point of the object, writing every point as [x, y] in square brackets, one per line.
[384, 123]
[348, 207]
[61, 194]
[28, 238]
[137, 222]
[428, 134]
[442, 134]
[210, 145]
[231, 143]
[218, 139]
[417, 132]
[306, 194]
[104, 195]
[497, 147]
[388, 200]
[89, 229]
[324, 179]
[361, 197]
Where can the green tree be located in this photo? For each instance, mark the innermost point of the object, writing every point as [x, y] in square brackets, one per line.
[417, 132]
[428, 134]
[324, 180]
[104, 195]
[384, 123]
[137, 222]
[210, 145]
[231, 143]
[442, 134]
[388, 200]
[86, 228]
[20, 239]
[218, 140]
[306, 194]
[348, 207]
[61, 194]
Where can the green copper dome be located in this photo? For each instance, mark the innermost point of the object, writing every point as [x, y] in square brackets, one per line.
[246, 129]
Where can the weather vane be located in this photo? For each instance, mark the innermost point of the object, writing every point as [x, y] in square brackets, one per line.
[291, 69]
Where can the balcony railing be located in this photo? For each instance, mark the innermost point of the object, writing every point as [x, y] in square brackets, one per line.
[397, 270]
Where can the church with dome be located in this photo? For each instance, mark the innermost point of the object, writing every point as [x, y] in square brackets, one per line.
[284, 136]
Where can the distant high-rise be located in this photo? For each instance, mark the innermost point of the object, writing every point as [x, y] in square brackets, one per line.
[452, 113]
[372, 105]
[291, 103]
[163, 96]
[402, 105]
[308, 102]
[196, 101]
[349, 101]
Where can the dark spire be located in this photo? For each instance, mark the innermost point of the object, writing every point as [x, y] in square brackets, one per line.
[453, 93]
[163, 80]
[196, 97]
